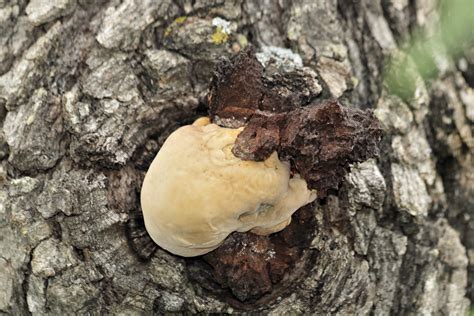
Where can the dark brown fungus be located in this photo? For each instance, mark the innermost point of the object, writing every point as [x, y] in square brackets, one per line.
[321, 139]
[236, 89]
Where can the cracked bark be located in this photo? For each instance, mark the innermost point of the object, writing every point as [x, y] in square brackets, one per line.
[89, 91]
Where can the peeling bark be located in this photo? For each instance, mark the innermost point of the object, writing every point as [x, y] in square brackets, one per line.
[89, 92]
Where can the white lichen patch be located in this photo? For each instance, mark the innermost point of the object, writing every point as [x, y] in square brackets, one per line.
[224, 25]
[282, 56]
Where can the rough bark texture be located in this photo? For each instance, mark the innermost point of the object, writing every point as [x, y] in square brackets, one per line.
[89, 91]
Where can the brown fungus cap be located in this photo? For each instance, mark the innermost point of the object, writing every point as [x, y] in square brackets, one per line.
[279, 112]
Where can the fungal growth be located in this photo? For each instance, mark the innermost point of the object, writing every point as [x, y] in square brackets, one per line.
[227, 186]
[196, 192]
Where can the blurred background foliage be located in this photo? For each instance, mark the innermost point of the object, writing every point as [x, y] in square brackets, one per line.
[427, 51]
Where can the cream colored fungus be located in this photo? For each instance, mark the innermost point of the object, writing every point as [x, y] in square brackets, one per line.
[196, 192]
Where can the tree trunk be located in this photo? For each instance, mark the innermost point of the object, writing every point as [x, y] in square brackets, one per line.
[89, 90]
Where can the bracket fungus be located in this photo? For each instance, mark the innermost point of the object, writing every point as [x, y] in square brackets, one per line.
[271, 145]
[196, 191]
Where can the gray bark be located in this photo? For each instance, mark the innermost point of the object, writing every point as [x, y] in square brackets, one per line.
[90, 89]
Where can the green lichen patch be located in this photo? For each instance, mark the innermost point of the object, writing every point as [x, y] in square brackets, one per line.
[219, 36]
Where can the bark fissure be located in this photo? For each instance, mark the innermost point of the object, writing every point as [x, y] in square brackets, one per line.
[89, 92]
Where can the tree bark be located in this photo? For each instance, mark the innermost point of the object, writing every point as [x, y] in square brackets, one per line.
[89, 90]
